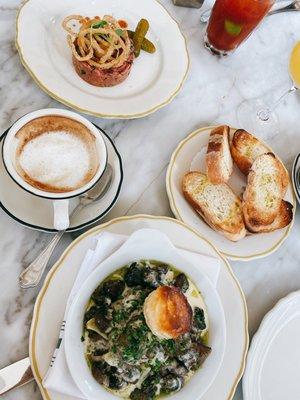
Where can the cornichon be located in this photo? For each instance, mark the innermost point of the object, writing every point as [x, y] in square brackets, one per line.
[139, 35]
[147, 45]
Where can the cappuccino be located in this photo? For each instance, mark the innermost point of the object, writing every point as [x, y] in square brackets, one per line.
[56, 154]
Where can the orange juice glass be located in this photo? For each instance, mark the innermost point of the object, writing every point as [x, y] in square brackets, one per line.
[232, 21]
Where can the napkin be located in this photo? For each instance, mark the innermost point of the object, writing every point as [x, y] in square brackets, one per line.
[58, 377]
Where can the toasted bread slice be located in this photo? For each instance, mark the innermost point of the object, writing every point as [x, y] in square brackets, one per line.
[283, 219]
[219, 162]
[245, 148]
[263, 194]
[220, 208]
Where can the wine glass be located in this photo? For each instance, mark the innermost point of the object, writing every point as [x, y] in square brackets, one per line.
[255, 115]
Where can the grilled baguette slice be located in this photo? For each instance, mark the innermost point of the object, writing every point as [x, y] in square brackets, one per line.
[283, 219]
[219, 162]
[245, 148]
[263, 194]
[218, 205]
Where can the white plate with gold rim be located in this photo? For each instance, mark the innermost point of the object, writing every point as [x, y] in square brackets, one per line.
[50, 304]
[154, 81]
[190, 155]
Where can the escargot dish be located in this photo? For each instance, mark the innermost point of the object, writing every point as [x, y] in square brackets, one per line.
[145, 331]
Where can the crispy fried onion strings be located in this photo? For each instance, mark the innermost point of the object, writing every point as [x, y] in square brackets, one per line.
[100, 42]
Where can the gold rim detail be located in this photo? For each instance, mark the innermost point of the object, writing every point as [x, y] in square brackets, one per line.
[93, 231]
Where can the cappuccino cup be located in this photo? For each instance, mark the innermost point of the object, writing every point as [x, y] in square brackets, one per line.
[55, 154]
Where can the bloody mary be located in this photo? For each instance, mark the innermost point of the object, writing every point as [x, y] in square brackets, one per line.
[232, 21]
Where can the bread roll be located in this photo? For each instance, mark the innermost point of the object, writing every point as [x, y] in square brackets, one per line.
[167, 312]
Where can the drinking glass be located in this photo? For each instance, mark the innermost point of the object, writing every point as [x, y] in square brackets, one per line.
[232, 21]
[256, 116]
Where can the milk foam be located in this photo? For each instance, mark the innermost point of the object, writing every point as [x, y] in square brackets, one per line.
[56, 158]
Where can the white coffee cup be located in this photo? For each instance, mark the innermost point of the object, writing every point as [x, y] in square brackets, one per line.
[61, 199]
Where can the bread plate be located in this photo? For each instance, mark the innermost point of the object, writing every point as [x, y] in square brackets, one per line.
[154, 81]
[190, 155]
[50, 305]
[145, 244]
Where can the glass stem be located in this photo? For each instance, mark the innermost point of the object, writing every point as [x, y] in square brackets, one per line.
[264, 114]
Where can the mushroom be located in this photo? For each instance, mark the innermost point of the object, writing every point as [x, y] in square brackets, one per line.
[99, 372]
[171, 383]
[129, 373]
[133, 276]
[113, 289]
[181, 282]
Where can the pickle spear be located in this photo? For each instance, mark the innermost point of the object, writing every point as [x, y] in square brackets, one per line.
[147, 45]
[139, 35]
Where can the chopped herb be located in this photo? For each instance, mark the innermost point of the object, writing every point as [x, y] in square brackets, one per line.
[134, 305]
[119, 315]
[100, 24]
[136, 342]
[119, 32]
[156, 366]
[169, 345]
[114, 333]
[199, 318]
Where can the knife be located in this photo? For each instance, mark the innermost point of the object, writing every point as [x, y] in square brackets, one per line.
[15, 375]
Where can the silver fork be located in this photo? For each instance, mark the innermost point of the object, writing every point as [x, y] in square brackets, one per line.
[31, 276]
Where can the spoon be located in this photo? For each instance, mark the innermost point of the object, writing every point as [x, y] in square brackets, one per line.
[31, 276]
[294, 6]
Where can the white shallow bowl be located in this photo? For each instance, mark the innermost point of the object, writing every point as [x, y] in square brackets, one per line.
[51, 302]
[145, 244]
[154, 80]
[273, 363]
[190, 156]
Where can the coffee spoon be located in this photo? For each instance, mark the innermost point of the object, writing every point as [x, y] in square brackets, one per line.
[294, 6]
[31, 276]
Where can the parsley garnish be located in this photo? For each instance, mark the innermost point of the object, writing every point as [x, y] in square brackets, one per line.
[156, 366]
[136, 341]
[99, 24]
[199, 318]
[119, 315]
[169, 345]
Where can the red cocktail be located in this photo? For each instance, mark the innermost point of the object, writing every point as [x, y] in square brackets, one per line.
[232, 21]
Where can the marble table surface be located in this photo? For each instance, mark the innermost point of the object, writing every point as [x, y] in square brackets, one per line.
[213, 90]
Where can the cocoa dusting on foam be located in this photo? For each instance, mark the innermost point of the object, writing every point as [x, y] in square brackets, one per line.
[56, 154]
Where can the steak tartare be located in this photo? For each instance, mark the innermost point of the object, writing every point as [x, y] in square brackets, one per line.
[103, 77]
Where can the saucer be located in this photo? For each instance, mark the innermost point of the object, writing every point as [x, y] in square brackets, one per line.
[296, 176]
[37, 213]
